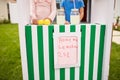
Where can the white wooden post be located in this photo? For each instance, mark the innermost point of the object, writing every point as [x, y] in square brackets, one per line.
[117, 8]
[23, 7]
[13, 12]
[102, 12]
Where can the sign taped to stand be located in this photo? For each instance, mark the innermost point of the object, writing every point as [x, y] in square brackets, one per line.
[67, 49]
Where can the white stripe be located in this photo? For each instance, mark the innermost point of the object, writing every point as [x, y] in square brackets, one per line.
[67, 70]
[57, 71]
[67, 28]
[96, 52]
[87, 52]
[46, 52]
[56, 28]
[77, 69]
[35, 52]
[77, 72]
[67, 73]
[78, 28]
[23, 51]
[57, 74]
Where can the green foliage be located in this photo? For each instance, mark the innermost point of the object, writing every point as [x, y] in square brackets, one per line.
[116, 25]
[118, 28]
[5, 21]
[114, 73]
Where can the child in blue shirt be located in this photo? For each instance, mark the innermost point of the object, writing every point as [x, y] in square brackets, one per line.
[67, 5]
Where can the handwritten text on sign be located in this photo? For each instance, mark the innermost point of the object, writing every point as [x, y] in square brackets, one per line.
[66, 50]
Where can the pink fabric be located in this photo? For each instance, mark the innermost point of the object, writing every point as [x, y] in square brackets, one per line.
[42, 9]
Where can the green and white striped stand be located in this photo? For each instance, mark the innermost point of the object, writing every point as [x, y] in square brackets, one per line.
[38, 52]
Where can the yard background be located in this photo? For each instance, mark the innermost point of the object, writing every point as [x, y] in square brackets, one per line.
[10, 60]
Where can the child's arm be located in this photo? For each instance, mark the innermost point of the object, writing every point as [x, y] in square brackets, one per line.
[53, 10]
[33, 12]
[81, 11]
[81, 8]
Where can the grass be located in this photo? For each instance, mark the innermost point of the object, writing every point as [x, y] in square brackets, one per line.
[114, 73]
[10, 60]
[10, 63]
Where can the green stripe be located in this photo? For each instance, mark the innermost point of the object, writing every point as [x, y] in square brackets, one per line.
[62, 28]
[62, 70]
[72, 69]
[29, 52]
[72, 28]
[51, 53]
[40, 52]
[92, 47]
[101, 50]
[83, 33]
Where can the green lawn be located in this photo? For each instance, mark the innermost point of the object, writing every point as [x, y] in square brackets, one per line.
[10, 63]
[115, 62]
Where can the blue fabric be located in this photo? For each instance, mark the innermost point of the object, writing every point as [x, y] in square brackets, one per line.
[68, 5]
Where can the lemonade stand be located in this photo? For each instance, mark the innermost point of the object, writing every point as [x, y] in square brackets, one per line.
[47, 55]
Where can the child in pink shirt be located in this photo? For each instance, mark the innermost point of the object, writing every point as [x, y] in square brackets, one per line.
[43, 9]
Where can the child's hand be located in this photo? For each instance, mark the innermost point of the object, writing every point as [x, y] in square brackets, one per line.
[48, 19]
[35, 21]
[66, 22]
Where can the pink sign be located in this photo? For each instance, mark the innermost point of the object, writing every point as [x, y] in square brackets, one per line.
[67, 53]
[67, 50]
